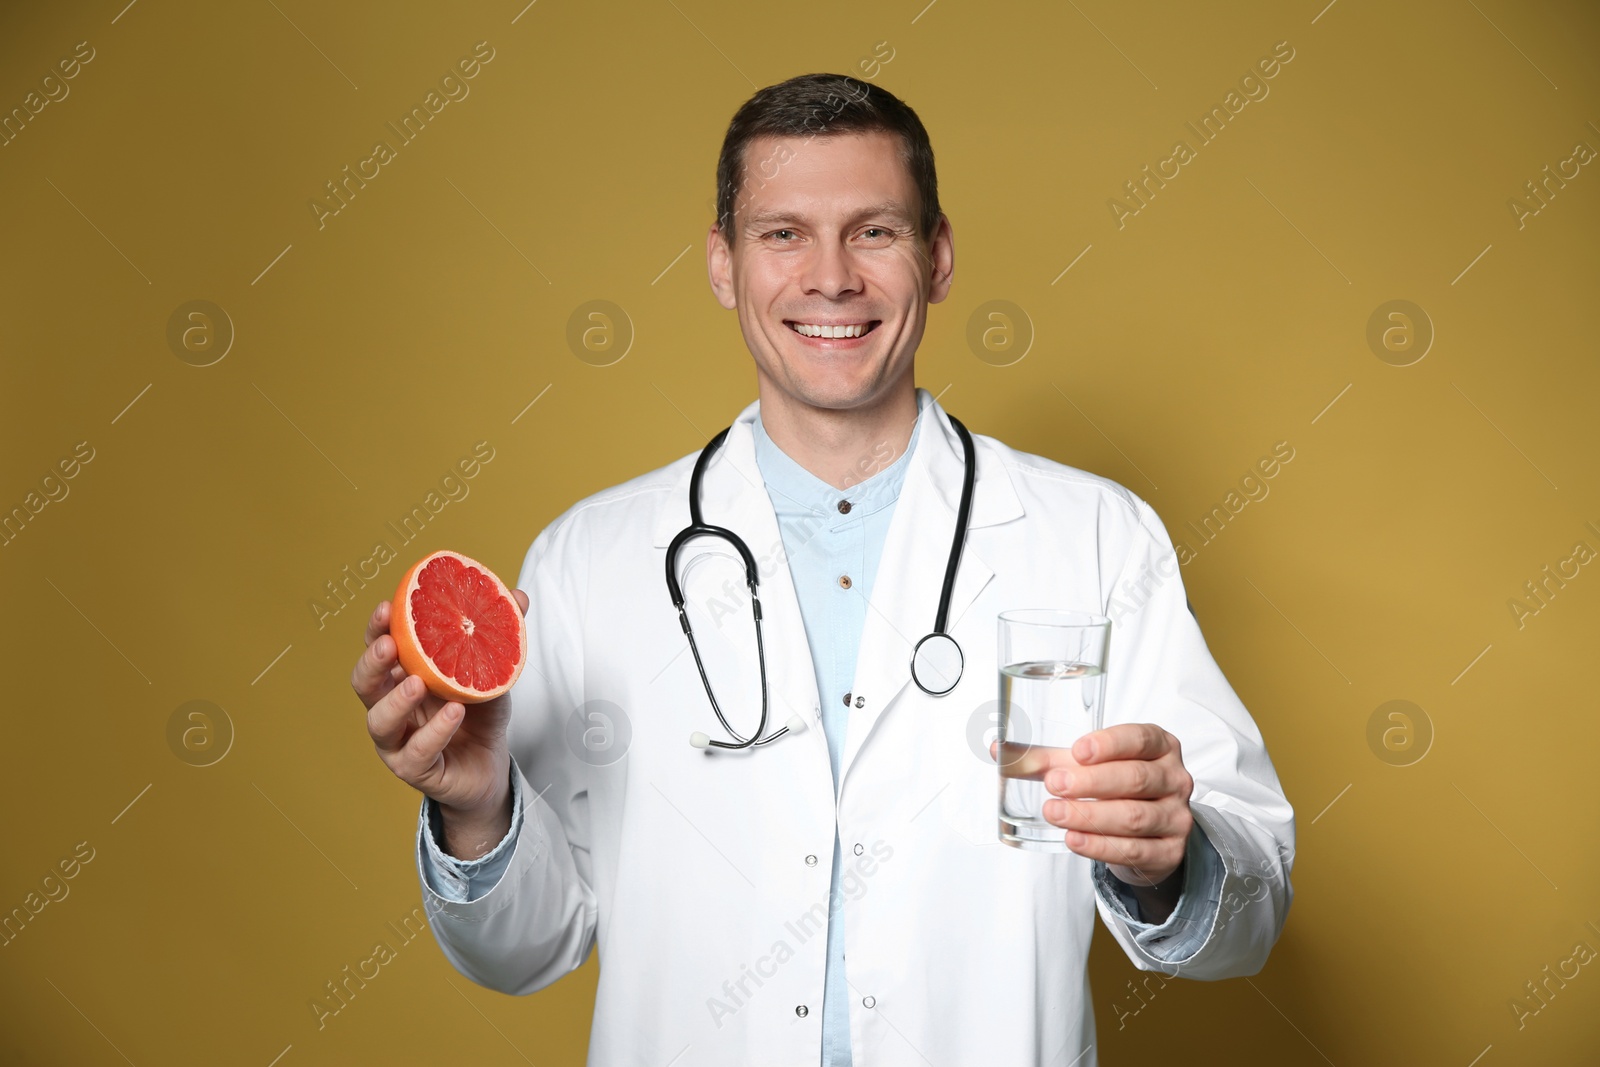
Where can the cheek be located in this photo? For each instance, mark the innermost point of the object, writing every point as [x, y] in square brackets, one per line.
[763, 284]
[904, 279]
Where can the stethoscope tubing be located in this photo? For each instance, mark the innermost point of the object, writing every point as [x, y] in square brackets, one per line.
[699, 528]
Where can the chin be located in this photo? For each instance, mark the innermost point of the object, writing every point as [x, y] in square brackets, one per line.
[839, 395]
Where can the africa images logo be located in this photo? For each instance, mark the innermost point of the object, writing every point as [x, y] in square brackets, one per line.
[1253, 84]
[453, 84]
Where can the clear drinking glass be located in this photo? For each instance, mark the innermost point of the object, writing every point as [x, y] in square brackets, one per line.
[1052, 682]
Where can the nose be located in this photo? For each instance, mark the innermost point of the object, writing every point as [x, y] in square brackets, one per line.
[831, 270]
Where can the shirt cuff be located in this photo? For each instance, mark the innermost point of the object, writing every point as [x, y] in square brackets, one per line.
[1185, 930]
[466, 880]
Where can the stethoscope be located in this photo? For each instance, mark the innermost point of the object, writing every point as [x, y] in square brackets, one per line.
[936, 660]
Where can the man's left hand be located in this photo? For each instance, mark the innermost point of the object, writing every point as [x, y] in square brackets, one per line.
[1138, 822]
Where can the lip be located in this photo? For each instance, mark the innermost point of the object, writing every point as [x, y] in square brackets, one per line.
[833, 343]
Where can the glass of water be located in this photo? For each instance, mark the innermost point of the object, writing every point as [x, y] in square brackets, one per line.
[1052, 681]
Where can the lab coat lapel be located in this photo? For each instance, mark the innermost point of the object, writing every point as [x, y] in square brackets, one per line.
[910, 575]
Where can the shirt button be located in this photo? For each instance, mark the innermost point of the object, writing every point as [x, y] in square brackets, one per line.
[844, 581]
[861, 702]
[844, 507]
[811, 861]
[859, 850]
[847, 700]
[867, 1002]
[800, 1010]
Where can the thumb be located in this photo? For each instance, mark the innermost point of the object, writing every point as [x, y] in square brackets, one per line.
[522, 599]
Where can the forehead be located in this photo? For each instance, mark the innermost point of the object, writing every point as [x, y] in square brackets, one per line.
[825, 175]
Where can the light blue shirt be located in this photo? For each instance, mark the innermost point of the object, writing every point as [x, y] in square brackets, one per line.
[833, 539]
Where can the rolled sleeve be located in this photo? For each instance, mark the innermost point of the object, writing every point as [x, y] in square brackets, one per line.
[465, 880]
[1186, 929]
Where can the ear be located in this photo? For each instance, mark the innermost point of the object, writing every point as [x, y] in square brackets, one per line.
[719, 268]
[942, 260]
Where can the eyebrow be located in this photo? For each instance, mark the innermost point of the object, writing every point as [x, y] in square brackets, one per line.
[888, 209]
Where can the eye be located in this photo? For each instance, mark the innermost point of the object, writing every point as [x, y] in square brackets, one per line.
[774, 233]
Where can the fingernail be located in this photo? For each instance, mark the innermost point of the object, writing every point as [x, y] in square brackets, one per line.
[413, 686]
[1064, 782]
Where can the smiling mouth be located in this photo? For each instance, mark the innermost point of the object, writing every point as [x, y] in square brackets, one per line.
[838, 331]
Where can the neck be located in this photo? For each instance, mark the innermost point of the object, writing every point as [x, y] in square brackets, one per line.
[843, 448]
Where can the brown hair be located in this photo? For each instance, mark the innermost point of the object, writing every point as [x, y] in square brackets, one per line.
[822, 105]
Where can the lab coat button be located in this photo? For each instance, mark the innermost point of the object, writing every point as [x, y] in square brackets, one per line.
[800, 1010]
[867, 1002]
[859, 849]
[811, 861]
[861, 702]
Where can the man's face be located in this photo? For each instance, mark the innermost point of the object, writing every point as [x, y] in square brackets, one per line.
[824, 235]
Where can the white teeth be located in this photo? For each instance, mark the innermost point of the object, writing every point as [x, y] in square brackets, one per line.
[807, 330]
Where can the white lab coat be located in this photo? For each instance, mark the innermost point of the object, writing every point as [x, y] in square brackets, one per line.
[703, 877]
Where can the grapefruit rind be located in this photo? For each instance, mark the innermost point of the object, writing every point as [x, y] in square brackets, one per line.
[409, 643]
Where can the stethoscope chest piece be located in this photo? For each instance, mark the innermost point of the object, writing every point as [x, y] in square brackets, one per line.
[936, 664]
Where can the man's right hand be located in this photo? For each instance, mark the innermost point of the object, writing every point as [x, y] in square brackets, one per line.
[454, 754]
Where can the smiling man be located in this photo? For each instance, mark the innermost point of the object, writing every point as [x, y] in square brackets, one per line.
[834, 890]
[831, 264]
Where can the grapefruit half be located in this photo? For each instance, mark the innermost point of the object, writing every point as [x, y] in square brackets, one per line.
[458, 628]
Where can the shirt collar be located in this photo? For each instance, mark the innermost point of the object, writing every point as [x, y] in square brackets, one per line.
[796, 491]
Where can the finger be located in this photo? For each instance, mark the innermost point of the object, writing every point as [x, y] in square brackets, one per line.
[378, 621]
[416, 762]
[1033, 762]
[1120, 818]
[1145, 856]
[1129, 740]
[522, 599]
[1139, 778]
[374, 674]
[387, 719]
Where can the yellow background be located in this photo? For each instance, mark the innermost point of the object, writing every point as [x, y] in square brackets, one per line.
[371, 353]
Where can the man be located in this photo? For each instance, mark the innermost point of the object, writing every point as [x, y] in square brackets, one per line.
[839, 895]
